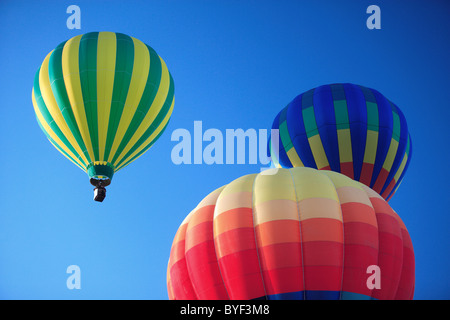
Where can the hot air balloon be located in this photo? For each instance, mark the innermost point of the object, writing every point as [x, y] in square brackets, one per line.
[102, 99]
[345, 128]
[296, 233]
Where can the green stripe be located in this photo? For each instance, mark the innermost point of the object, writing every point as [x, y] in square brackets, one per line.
[309, 120]
[372, 116]
[408, 146]
[148, 96]
[56, 145]
[341, 114]
[284, 135]
[60, 93]
[122, 79]
[395, 125]
[48, 118]
[87, 59]
[159, 118]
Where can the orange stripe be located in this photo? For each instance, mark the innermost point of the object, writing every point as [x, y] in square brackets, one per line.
[200, 233]
[277, 231]
[358, 212]
[322, 229]
[203, 214]
[233, 219]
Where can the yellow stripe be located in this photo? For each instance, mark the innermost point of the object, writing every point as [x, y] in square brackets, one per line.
[149, 139]
[345, 145]
[71, 74]
[371, 147]
[340, 180]
[311, 183]
[53, 135]
[294, 158]
[390, 157]
[156, 106]
[318, 152]
[401, 168]
[276, 186]
[52, 106]
[139, 77]
[315, 194]
[106, 63]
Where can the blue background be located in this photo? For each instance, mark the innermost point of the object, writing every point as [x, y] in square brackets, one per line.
[235, 64]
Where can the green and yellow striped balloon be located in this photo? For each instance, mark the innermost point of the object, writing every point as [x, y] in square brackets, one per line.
[103, 99]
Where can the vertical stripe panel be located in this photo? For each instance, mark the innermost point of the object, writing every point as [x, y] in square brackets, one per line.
[53, 109]
[49, 126]
[384, 133]
[326, 123]
[321, 231]
[58, 87]
[360, 235]
[278, 233]
[234, 238]
[357, 114]
[122, 79]
[71, 74]
[181, 282]
[200, 253]
[88, 78]
[106, 62]
[390, 255]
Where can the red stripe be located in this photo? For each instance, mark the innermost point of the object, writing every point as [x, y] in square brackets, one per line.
[357, 259]
[181, 282]
[282, 267]
[366, 173]
[347, 169]
[361, 233]
[381, 180]
[204, 271]
[242, 275]
[234, 240]
[390, 257]
[322, 262]
[389, 188]
[405, 289]
[283, 280]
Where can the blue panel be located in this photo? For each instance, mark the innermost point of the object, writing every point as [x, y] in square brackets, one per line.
[357, 116]
[384, 133]
[261, 298]
[299, 295]
[322, 295]
[317, 295]
[354, 296]
[326, 123]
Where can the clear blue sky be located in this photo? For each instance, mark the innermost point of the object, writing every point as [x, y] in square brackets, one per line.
[235, 65]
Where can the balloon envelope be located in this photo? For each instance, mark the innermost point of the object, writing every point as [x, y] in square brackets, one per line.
[295, 233]
[345, 128]
[103, 99]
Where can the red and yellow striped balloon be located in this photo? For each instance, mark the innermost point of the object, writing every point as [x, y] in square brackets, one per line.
[294, 233]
